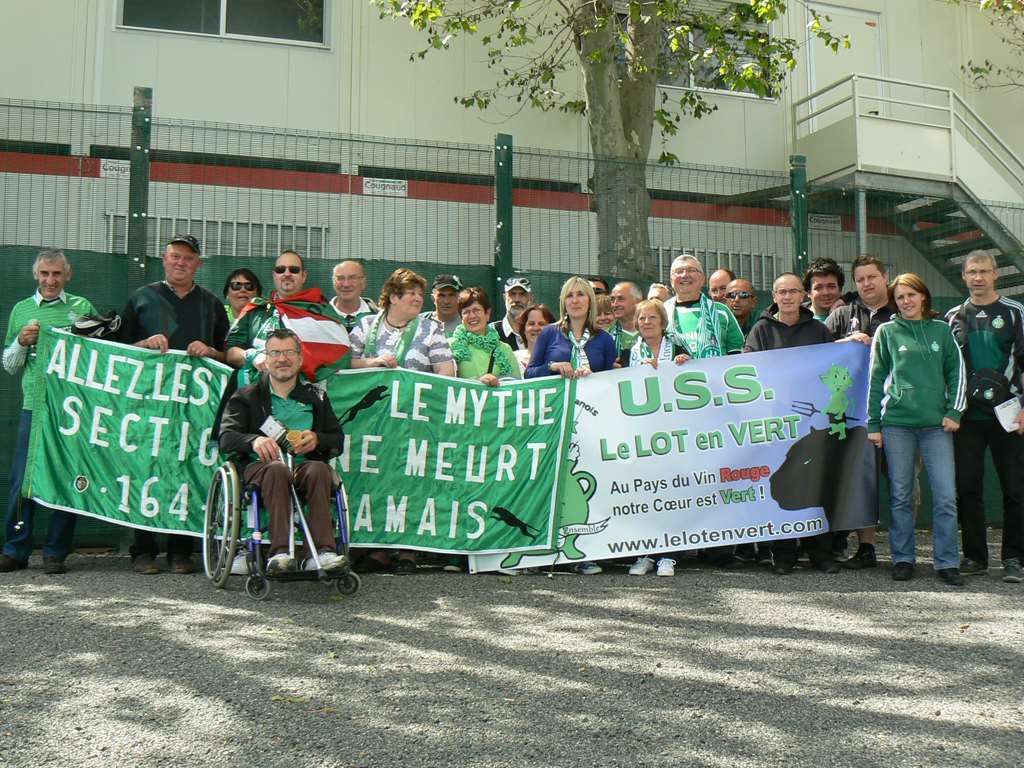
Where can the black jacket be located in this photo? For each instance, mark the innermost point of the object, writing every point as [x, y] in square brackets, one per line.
[769, 333]
[856, 317]
[250, 406]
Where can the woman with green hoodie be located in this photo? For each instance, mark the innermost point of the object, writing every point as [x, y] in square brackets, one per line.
[916, 397]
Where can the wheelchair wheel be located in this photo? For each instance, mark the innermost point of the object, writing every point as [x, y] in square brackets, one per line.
[257, 587]
[347, 584]
[222, 523]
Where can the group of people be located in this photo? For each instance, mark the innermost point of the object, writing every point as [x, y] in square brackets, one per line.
[933, 383]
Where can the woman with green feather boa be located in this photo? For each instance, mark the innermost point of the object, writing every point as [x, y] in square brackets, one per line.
[479, 353]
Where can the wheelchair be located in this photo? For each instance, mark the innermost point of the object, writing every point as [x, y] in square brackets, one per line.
[222, 537]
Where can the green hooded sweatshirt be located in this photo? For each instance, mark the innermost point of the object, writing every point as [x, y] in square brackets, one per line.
[917, 375]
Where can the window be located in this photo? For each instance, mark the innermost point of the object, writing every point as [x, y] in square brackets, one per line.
[291, 20]
[703, 73]
[240, 239]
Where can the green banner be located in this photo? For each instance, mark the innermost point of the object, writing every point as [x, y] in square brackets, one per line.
[429, 462]
[451, 465]
[124, 433]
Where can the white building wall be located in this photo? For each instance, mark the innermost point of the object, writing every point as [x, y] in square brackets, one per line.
[363, 83]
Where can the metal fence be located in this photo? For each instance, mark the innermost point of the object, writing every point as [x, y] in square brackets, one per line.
[249, 192]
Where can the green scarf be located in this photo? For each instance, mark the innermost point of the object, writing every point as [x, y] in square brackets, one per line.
[623, 339]
[463, 339]
[402, 348]
[708, 344]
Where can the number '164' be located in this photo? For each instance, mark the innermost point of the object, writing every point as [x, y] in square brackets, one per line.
[149, 505]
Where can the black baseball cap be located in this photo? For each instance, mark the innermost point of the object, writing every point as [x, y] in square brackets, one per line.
[447, 281]
[188, 240]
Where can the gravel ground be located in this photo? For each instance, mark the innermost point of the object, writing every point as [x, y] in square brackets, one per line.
[712, 668]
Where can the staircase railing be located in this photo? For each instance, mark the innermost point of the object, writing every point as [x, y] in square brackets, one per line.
[871, 98]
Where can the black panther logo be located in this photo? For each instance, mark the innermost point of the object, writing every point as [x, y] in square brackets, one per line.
[509, 519]
[372, 397]
[836, 475]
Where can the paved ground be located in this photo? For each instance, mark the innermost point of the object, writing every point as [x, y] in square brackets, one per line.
[712, 668]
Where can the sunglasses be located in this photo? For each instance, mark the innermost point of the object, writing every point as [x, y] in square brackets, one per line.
[600, 292]
[238, 285]
[282, 269]
[733, 295]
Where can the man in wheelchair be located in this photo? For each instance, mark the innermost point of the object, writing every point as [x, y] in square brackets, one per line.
[313, 437]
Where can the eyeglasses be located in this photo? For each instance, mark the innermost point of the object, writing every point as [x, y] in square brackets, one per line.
[733, 295]
[978, 272]
[600, 292]
[282, 269]
[273, 354]
[238, 285]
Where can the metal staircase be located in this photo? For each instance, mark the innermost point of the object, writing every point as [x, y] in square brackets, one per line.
[926, 161]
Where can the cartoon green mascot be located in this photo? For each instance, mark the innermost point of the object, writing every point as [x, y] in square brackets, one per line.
[838, 380]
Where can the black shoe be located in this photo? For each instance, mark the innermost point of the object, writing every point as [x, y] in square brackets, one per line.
[181, 564]
[970, 567]
[902, 571]
[826, 565]
[782, 567]
[53, 566]
[746, 553]
[8, 564]
[865, 558]
[950, 576]
[146, 565]
[405, 567]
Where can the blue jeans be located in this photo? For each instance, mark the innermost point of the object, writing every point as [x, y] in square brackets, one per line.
[18, 542]
[936, 446]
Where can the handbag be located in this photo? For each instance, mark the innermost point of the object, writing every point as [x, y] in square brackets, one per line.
[985, 386]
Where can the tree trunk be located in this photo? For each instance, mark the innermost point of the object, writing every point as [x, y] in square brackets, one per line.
[623, 207]
[620, 105]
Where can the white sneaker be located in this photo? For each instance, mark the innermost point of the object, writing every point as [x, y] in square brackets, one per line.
[282, 563]
[239, 567]
[588, 569]
[666, 567]
[641, 567]
[329, 561]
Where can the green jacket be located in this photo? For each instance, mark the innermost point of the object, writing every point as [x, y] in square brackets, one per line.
[917, 375]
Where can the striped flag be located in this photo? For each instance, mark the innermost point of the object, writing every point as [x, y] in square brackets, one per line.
[323, 338]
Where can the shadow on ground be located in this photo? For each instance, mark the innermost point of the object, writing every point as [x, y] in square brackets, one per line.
[710, 668]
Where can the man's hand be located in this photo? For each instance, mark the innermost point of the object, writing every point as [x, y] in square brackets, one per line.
[199, 349]
[875, 438]
[948, 425]
[260, 363]
[28, 335]
[157, 341]
[860, 336]
[680, 359]
[307, 442]
[266, 448]
[1020, 423]
[489, 379]
[385, 361]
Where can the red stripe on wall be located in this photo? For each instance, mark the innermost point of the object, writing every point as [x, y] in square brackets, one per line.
[49, 165]
[331, 183]
[255, 178]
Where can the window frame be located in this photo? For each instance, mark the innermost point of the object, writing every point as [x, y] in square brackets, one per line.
[715, 91]
[223, 34]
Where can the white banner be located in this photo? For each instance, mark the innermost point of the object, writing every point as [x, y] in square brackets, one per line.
[714, 453]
